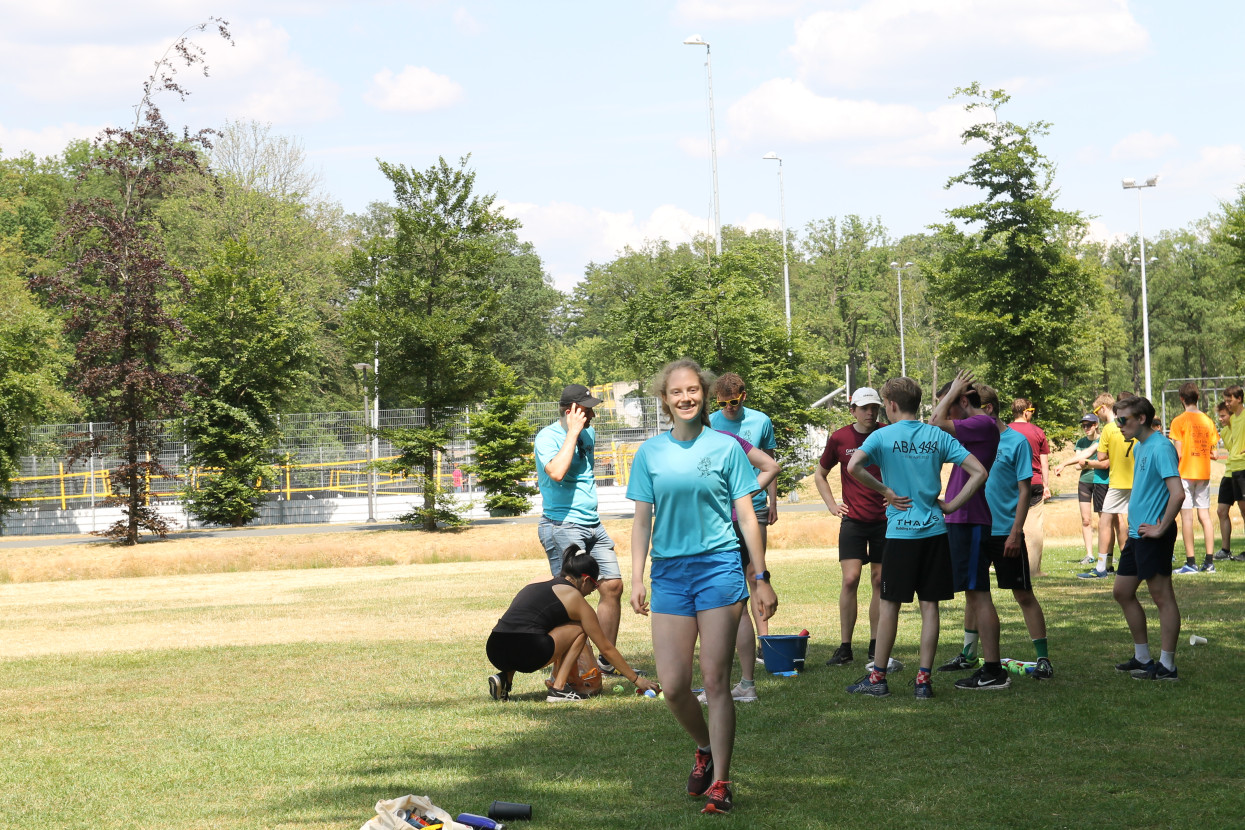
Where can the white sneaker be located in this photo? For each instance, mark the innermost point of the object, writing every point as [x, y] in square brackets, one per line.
[738, 693]
[892, 665]
[1088, 560]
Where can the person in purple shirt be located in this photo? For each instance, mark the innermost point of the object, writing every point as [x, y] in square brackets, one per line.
[958, 411]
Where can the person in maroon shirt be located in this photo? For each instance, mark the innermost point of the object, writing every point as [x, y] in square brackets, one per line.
[1035, 533]
[862, 531]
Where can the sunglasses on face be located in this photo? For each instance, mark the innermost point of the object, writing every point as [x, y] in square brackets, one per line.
[733, 402]
[592, 583]
[1122, 420]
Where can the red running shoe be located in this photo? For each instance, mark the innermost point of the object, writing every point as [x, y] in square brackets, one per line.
[702, 774]
[719, 798]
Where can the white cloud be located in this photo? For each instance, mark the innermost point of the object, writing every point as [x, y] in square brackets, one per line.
[264, 78]
[881, 41]
[782, 111]
[1143, 145]
[586, 234]
[47, 141]
[414, 89]
[465, 22]
[733, 10]
[1216, 170]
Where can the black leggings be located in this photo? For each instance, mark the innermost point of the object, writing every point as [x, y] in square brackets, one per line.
[519, 652]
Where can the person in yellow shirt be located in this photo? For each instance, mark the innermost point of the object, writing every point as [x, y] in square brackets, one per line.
[1232, 487]
[1194, 435]
[1115, 454]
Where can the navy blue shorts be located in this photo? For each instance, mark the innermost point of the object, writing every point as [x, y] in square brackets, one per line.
[968, 559]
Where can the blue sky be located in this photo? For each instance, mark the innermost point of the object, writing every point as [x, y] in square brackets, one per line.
[589, 121]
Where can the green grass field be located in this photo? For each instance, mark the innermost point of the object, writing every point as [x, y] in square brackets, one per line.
[222, 702]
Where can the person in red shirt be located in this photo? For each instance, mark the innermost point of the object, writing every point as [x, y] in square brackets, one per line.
[1035, 533]
[862, 531]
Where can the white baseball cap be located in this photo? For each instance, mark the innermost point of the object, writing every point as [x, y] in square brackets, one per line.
[865, 396]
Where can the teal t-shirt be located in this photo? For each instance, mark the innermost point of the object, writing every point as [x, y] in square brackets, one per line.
[1154, 461]
[691, 485]
[910, 455]
[1013, 463]
[758, 430]
[574, 498]
[1089, 475]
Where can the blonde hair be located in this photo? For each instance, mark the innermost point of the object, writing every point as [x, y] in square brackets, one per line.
[662, 380]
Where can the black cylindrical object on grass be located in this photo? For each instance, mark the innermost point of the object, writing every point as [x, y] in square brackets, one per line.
[509, 811]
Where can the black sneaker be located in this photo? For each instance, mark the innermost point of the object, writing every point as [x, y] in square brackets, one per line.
[841, 657]
[702, 774]
[1132, 665]
[923, 691]
[719, 798]
[1222, 554]
[958, 663]
[1237, 557]
[498, 688]
[982, 681]
[1043, 670]
[864, 687]
[604, 667]
[564, 695]
[1155, 671]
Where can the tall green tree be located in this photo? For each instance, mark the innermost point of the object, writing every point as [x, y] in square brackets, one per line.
[716, 312]
[249, 345]
[432, 308]
[116, 287]
[503, 447]
[1008, 288]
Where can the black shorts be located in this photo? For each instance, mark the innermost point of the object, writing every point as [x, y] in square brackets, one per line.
[519, 652]
[1010, 572]
[1035, 495]
[917, 566]
[964, 542]
[865, 541]
[1232, 488]
[1146, 558]
[1087, 492]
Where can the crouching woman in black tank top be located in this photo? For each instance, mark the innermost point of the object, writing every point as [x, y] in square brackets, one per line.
[548, 622]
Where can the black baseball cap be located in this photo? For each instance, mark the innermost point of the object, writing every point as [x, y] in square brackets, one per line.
[578, 394]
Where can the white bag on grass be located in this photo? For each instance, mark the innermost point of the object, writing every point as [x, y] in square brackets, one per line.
[387, 814]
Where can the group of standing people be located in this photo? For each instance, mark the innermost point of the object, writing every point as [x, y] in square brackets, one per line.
[704, 496]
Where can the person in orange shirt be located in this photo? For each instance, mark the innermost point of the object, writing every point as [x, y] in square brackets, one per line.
[1195, 437]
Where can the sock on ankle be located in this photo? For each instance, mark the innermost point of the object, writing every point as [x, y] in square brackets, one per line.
[922, 675]
[877, 675]
[747, 684]
[970, 643]
[1039, 645]
[994, 669]
[1142, 652]
[1102, 561]
[705, 749]
[1168, 659]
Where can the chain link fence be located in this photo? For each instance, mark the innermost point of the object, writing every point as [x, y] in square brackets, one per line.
[324, 455]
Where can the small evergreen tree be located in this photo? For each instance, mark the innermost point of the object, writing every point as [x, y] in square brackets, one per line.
[503, 443]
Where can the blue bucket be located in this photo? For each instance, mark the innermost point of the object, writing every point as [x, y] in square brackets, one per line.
[784, 652]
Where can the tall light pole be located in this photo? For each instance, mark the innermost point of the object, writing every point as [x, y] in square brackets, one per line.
[371, 456]
[376, 362]
[782, 201]
[697, 40]
[1131, 184]
[903, 355]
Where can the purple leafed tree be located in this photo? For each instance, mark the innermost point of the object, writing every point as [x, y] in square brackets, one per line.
[114, 289]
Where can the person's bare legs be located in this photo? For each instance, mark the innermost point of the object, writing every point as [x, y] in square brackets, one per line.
[674, 648]
[1225, 526]
[1164, 597]
[875, 602]
[609, 607]
[1106, 534]
[746, 646]
[986, 619]
[1125, 593]
[1087, 528]
[717, 650]
[1208, 530]
[1186, 531]
[888, 626]
[568, 641]
[847, 600]
[1035, 619]
[929, 634]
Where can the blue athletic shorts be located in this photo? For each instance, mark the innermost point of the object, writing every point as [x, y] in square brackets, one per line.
[967, 557]
[684, 585]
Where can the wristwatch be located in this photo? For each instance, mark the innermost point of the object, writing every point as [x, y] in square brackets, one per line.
[763, 576]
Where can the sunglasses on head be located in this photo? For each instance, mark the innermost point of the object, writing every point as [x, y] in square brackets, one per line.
[1029, 410]
[732, 402]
